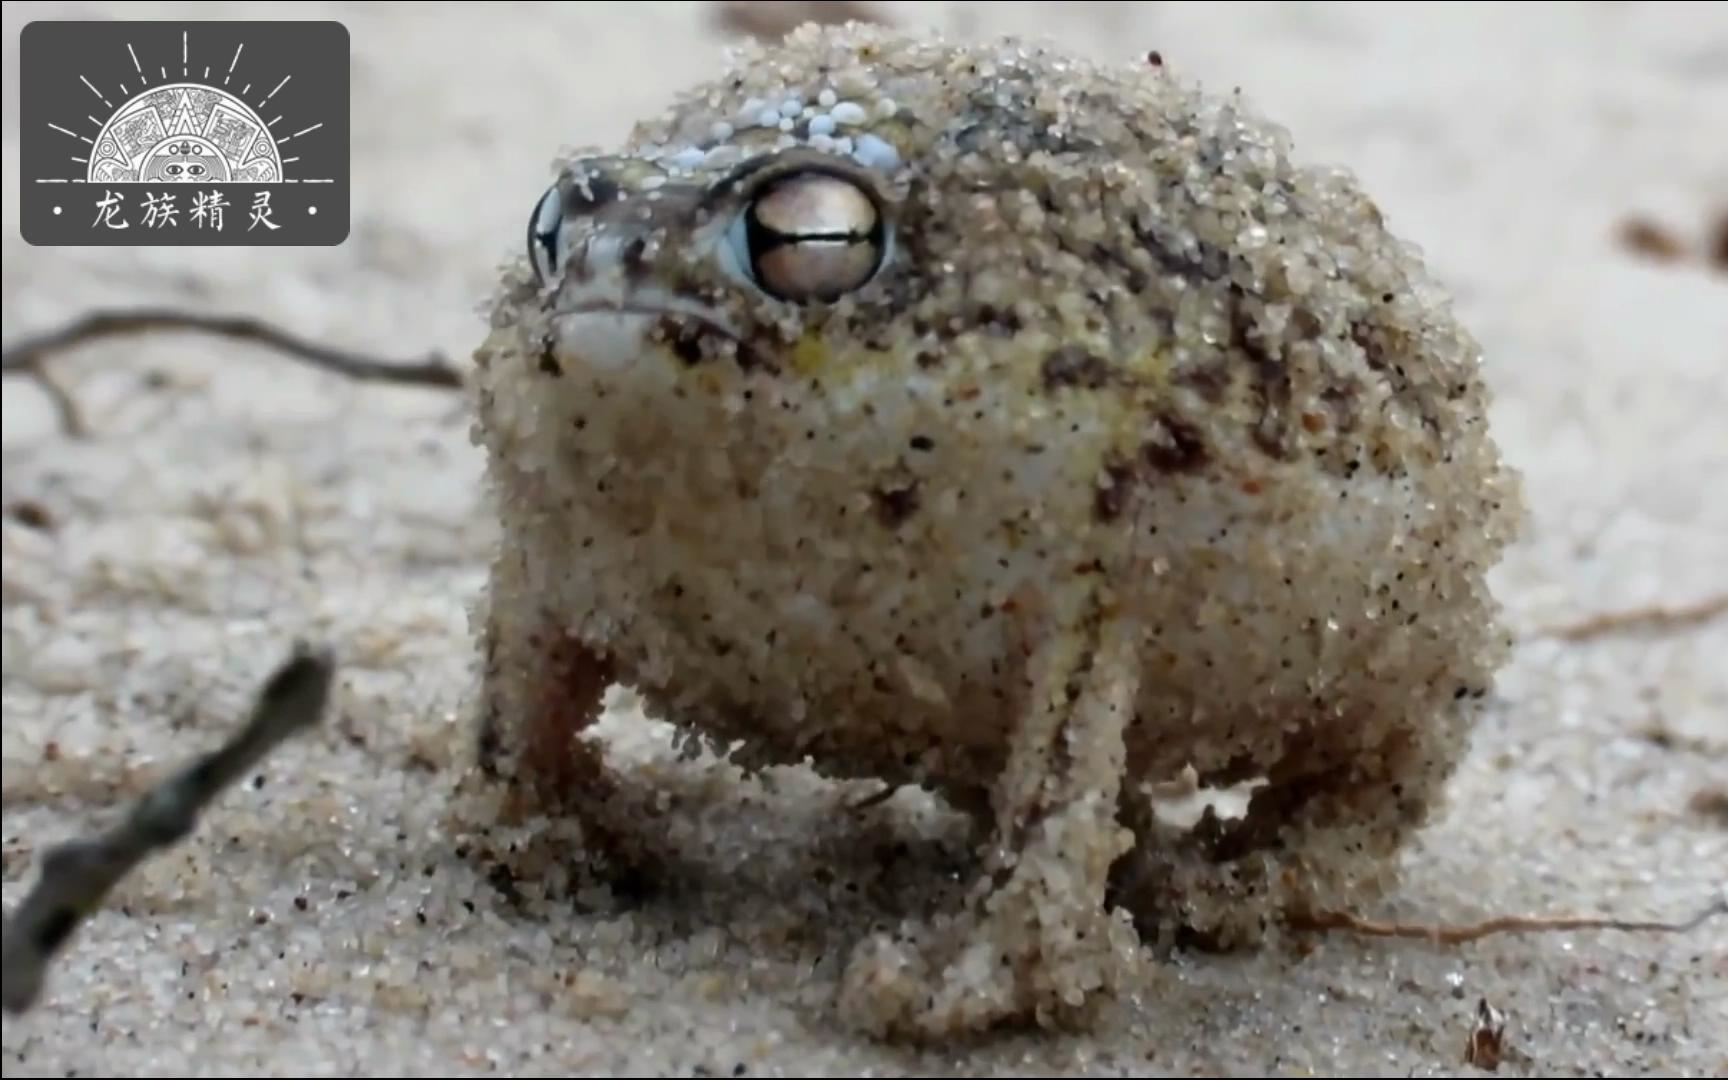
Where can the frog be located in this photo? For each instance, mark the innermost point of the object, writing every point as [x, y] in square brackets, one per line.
[1029, 428]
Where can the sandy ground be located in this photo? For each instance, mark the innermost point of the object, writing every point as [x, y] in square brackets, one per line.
[329, 918]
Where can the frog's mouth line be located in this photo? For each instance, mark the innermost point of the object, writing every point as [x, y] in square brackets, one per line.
[613, 330]
[599, 298]
[685, 311]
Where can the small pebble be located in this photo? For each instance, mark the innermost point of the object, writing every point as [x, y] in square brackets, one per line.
[63, 665]
[847, 112]
[874, 152]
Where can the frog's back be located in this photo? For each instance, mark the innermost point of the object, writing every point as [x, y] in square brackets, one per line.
[1083, 232]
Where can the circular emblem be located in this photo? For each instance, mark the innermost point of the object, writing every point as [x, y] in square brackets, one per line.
[185, 133]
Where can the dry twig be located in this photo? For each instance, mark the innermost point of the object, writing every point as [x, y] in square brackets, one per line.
[78, 875]
[1446, 934]
[1711, 802]
[30, 357]
[1651, 240]
[1654, 617]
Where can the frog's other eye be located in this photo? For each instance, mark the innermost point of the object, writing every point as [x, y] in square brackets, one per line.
[810, 236]
[545, 232]
[557, 217]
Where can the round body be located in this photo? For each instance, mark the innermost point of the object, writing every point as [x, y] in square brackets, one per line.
[808, 406]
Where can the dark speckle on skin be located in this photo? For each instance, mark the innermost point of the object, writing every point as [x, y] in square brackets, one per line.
[1208, 263]
[680, 338]
[1373, 349]
[1173, 445]
[999, 320]
[1071, 365]
[1341, 401]
[1113, 496]
[1207, 378]
[1272, 431]
[896, 503]
[635, 257]
[1306, 324]
[694, 341]
[549, 364]
[1004, 113]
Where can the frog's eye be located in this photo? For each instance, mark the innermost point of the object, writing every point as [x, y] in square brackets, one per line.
[810, 236]
[545, 232]
[555, 224]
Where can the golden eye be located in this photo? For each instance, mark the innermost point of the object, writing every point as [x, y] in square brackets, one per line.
[813, 236]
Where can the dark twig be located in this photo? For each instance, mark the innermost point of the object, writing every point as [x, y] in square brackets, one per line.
[433, 370]
[78, 875]
[30, 356]
[1444, 934]
[1644, 618]
[71, 416]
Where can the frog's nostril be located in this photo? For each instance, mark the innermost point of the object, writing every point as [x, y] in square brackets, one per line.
[590, 190]
[634, 254]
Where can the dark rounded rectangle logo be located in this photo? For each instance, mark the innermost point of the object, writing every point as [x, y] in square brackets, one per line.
[183, 133]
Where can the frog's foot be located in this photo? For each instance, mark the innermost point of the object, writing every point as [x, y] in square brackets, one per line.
[1324, 831]
[1035, 942]
[541, 691]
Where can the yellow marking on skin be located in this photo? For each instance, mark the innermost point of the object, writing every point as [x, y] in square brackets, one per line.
[707, 376]
[813, 356]
[810, 355]
[1153, 365]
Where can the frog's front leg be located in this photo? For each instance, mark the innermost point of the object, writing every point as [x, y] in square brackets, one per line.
[541, 692]
[1036, 941]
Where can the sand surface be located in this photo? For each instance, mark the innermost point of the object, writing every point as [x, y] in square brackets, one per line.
[331, 916]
